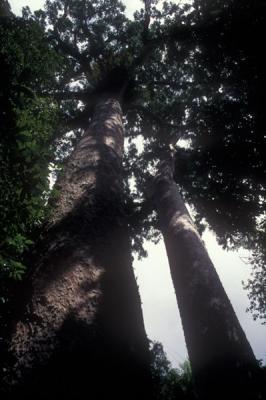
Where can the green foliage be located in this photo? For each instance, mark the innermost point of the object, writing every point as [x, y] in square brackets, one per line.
[170, 383]
[257, 282]
[26, 147]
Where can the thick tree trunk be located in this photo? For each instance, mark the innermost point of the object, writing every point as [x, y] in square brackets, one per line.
[81, 327]
[222, 360]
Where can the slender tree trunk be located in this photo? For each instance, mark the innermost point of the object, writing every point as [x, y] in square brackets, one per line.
[81, 327]
[221, 357]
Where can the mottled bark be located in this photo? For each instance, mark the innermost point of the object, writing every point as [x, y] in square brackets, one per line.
[222, 360]
[81, 327]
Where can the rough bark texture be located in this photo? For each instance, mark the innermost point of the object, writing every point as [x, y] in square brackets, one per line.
[81, 330]
[222, 360]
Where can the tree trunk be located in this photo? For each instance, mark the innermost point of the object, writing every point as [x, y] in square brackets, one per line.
[221, 358]
[81, 326]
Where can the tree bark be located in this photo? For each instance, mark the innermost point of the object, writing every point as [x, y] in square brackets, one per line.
[80, 327]
[221, 357]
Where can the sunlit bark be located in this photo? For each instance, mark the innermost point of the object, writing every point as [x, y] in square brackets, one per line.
[80, 326]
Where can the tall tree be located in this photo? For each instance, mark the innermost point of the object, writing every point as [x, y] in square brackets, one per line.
[81, 315]
[80, 306]
[217, 346]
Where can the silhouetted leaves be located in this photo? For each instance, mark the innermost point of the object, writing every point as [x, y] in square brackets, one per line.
[170, 383]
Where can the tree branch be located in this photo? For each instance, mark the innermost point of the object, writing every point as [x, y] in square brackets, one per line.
[70, 74]
[175, 33]
[147, 20]
[71, 50]
[81, 120]
[155, 117]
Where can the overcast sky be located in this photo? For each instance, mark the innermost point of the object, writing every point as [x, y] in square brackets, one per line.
[160, 309]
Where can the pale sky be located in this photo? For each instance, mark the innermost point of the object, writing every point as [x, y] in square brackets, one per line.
[161, 316]
[16, 5]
